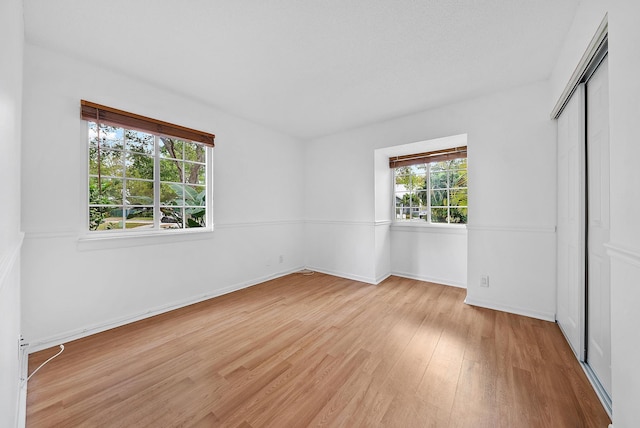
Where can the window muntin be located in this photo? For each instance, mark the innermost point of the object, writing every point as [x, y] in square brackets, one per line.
[434, 192]
[142, 181]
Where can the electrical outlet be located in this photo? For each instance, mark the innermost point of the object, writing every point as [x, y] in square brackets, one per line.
[484, 281]
[281, 258]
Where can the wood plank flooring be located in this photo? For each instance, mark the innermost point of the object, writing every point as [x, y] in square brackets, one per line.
[319, 351]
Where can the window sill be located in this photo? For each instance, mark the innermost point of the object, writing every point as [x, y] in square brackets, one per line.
[101, 241]
[421, 226]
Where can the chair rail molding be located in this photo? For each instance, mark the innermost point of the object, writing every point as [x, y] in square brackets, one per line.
[622, 253]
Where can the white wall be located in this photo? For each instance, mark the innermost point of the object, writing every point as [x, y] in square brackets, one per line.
[339, 210]
[72, 288]
[624, 69]
[434, 254]
[511, 198]
[11, 49]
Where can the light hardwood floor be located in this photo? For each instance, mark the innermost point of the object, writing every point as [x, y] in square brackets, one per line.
[319, 350]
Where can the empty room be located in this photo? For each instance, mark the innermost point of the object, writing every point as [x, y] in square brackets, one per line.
[339, 213]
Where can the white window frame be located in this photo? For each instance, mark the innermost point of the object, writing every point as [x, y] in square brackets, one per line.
[90, 235]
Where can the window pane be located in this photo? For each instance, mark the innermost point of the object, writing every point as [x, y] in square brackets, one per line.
[195, 173]
[111, 137]
[403, 182]
[170, 194]
[411, 177]
[139, 166]
[458, 197]
[422, 197]
[101, 218]
[194, 195]
[439, 198]
[195, 217]
[438, 215]
[171, 170]
[439, 166]
[419, 182]
[107, 191]
[439, 180]
[458, 178]
[171, 218]
[419, 169]
[111, 217]
[423, 205]
[93, 161]
[408, 200]
[171, 147]
[139, 142]
[93, 133]
[415, 213]
[139, 218]
[110, 162]
[193, 151]
[460, 163]
[139, 192]
[459, 215]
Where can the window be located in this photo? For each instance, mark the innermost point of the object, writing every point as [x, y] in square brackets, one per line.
[141, 180]
[431, 187]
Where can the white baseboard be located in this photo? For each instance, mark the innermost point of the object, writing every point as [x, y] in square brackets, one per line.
[21, 416]
[545, 316]
[359, 278]
[430, 279]
[382, 278]
[603, 396]
[48, 342]
[378, 280]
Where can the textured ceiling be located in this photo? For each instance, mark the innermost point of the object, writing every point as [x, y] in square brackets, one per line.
[312, 68]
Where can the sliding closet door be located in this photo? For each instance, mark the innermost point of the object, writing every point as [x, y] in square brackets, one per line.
[570, 235]
[598, 271]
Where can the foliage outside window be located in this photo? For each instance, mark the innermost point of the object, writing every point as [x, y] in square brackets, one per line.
[142, 181]
[433, 192]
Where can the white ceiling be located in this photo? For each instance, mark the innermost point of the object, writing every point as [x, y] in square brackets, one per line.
[312, 68]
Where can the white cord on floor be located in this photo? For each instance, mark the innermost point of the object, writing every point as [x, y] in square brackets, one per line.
[306, 272]
[42, 365]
